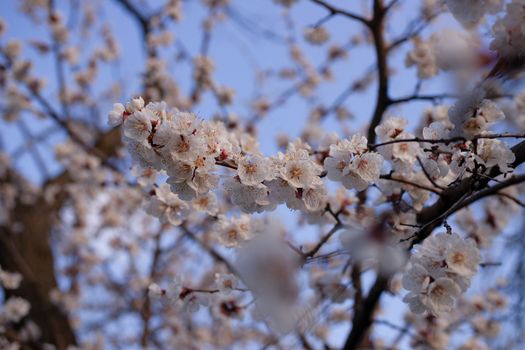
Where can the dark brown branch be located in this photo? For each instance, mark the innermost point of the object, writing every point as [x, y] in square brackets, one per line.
[410, 183]
[417, 97]
[449, 140]
[427, 175]
[323, 240]
[512, 198]
[363, 320]
[135, 13]
[493, 190]
[337, 11]
[382, 99]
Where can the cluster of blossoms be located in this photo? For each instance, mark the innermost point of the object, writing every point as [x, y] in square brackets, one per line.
[233, 231]
[509, 30]
[191, 150]
[444, 162]
[482, 323]
[444, 50]
[440, 271]
[473, 114]
[350, 163]
[402, 155]
[14, 308]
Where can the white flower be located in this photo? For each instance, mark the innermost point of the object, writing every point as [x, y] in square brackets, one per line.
[416, 279]
[406, 152]
[490, 111]
[187, 148]
[253, 170]
[231, 232]
[142, 154]
[495, 152]
[391, 128]
[462, 256]
[138, 125]
[15, 308]
[226, 282]
[340, 157]
[300, 173]
[185, 123]
[10, 280]
[442, 296]
[316, 36]
[441, 269]
[145, 176]
[464, 109]
[249, 199]
[315, 198]
[350, 164]
[136, 104]
[179, 172]
[160, 109]
[167, 206]
[422, 56]
[464, 160]
[155, 291]
[435, 131]
[364, 170]
[473, 115]
[207, 203]
[509, 31]
[164, 135]
[281, 192]
[415, 303]
[116, 116]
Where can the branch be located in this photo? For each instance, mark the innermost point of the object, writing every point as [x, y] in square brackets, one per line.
[363, 320]
[337, 11]
[214, 254]
[449, 140]
[382, 100]
[135, 13]
[417, 97]
[494, 190]
[410, 183]
[323, 240]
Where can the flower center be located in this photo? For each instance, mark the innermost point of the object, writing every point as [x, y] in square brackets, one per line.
[250, 168]
[458, 258]
[295, 172]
